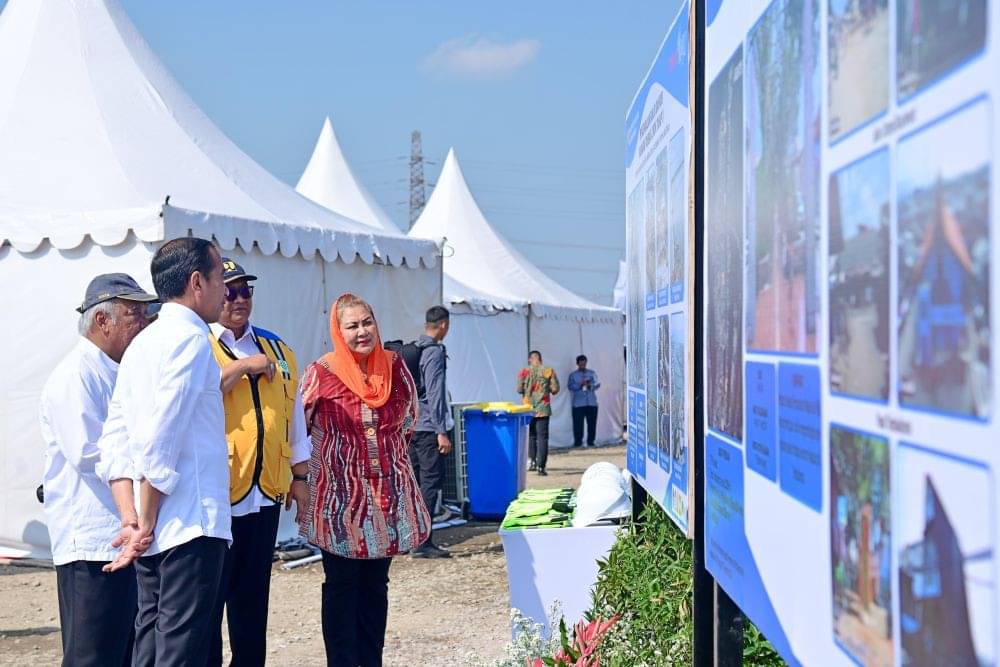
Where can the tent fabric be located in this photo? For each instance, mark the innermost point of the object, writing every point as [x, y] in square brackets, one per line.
[483, 352]
[620, 293]
[560, 341]
[329, 181]
[477, 255]
[484, 275]
[95, 134]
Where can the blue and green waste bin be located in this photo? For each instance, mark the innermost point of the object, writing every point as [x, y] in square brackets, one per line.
[496, 442]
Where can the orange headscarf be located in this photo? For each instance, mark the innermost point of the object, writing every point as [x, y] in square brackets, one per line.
[373, 391]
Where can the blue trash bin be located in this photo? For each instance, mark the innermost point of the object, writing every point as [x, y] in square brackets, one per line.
[496, 444]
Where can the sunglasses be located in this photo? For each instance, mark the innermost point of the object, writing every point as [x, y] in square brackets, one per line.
[246, 291]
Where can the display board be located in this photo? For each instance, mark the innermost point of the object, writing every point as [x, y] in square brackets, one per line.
[660, 272]
[851, 440]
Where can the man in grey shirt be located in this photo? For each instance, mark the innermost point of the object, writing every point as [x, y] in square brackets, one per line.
[431, 443]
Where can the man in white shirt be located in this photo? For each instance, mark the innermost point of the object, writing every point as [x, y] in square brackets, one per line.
[96, 610]
[164, 451]
[270, 450]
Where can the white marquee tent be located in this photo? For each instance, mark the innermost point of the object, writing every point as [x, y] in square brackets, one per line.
[94, 135]
[329, 181]
[508, 306]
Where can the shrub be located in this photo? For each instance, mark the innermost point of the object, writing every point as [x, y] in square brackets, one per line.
[647, 581]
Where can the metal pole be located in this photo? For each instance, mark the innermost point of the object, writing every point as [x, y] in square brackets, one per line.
[718, 623]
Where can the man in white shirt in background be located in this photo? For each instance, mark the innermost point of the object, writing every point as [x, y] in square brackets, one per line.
[96, 610]
[164, 451]
[266, 433]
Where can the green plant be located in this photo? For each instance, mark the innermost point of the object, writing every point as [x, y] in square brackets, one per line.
[647, 580]
[530, 640]
[583, 651]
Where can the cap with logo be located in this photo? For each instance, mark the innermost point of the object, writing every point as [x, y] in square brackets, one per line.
[232, 271]
[109, 286]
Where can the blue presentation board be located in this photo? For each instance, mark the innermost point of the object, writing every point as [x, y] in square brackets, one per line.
[660, 272]
[851, 442]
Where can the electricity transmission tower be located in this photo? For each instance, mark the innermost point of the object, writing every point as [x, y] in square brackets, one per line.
[417, 193]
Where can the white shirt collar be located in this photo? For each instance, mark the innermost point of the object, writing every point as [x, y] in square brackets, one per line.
[91, 350]
[174, 310]
[227, 336]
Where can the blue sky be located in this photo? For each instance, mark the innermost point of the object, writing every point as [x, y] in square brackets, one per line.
[531, 94]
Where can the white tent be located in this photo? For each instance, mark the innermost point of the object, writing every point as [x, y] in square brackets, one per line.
[482, 268]
[329, 181]
[620, 294]
[94, 135]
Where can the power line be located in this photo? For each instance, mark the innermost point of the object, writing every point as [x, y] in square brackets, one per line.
[575, 269]
[560, 244]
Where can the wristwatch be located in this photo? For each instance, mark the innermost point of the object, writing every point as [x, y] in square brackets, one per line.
[300, 478]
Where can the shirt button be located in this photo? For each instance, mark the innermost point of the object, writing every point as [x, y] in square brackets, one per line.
[374, 463]
[370, 431]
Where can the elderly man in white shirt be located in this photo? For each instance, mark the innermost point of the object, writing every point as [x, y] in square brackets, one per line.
[96, 610]
[164, 451]
[270, 451]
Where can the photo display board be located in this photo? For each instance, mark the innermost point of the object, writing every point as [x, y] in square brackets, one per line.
[660, 273]
[851, 442]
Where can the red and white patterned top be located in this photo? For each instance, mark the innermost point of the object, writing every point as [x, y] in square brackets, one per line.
[364, 501]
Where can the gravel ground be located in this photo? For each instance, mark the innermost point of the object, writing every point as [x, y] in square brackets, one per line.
[439, 610]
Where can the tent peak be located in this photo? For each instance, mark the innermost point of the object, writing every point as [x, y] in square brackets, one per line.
[329, 181]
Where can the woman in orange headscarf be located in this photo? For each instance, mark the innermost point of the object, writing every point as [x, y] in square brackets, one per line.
[365, 504]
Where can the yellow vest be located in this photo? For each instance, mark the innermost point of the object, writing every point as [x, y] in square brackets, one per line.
[259, 421]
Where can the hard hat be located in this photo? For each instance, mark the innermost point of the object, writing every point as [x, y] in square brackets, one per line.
[602, 469]
[601, 497]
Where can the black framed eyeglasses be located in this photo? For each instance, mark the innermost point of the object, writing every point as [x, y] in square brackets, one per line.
[245, 291]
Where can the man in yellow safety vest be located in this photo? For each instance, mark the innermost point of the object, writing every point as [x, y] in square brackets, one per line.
[268, 461]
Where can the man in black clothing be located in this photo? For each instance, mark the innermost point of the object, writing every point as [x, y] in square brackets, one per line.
[431, 442]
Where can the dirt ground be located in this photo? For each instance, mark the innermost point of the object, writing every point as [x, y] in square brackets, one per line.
[439, 610]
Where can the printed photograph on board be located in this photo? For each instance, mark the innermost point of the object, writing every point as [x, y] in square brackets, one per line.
[858, 278]
[678, 431]
[724, 255]
[861, 545]
[678, 208]
[783, 154]
[663, 380]
[858, 63]
[662, 245]
[652, 395]
[946, 559]
[636, 299]
[943, 190]
[935, 37]
[649, 209]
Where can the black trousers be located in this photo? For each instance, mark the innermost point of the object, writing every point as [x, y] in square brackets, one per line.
[588, 413]
[538, 441]
[246, 588]
[178, 594]
[96, 614]
[428, 465]
[355, 607]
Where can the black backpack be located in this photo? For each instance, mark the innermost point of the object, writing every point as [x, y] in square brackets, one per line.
[411, 353]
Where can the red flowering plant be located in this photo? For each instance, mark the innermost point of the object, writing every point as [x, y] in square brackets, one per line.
[582, 651]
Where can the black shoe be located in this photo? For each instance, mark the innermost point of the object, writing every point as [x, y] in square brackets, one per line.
[577, 444]
[531, 466]
[542, 473]
[430, 550]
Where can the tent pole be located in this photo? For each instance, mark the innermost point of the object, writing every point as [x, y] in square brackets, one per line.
[527, 330]
[444, 239]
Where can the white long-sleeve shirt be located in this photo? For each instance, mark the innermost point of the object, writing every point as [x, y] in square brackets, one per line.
[299, 440]
[166, 425]
[79, 509]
